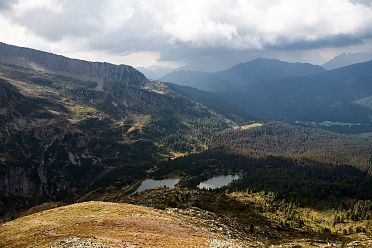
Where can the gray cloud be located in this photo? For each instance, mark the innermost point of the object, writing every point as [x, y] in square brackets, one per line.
[190, 30]
[326, 42]
[365, 2]
[6, 4]
[76, 19]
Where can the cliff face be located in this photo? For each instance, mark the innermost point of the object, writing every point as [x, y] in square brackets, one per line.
[18, 181]
[107, 76]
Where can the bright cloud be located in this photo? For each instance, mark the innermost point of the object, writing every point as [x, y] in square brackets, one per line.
[131, 30]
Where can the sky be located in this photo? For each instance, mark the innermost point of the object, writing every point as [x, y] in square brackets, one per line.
[204, 35]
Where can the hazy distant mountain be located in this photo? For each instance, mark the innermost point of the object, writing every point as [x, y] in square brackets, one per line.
[291, 91]
[197, 79]
[241, 75]
[336, 95]
[155, 72]
[345, 59]
[216, 102]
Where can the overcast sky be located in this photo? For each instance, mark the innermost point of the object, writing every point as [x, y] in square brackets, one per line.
[200, 34]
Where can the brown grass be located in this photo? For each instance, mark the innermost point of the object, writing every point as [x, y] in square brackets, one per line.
[108, 223]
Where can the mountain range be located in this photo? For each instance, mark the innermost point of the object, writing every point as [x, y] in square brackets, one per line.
[241, 75]
[290, 91]
[78, 139]
[345, 59]
[68, 125]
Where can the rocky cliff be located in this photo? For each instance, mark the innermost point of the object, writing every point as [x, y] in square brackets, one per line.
[107, 76]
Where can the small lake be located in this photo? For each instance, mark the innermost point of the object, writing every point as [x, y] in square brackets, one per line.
[152, 184]
[217, 182]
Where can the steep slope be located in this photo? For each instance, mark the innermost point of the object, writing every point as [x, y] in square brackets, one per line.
[66, 124]
[213, 101]
[345, 59]
[241, 75]
[12, 103]
[51, 150]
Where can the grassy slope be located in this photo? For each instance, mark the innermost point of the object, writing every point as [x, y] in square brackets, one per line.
[255, 215]
[106, 224]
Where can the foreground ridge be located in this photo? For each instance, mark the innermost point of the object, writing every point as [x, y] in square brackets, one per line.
[102, 224]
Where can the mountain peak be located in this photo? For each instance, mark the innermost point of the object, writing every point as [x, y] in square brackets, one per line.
[345, 59]
[260, 68]
[263, 60]
[242, 74]
[266, 59]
